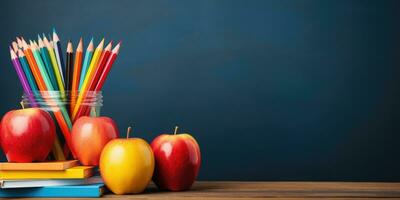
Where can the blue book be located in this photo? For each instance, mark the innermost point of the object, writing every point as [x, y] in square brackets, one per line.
[94, 190]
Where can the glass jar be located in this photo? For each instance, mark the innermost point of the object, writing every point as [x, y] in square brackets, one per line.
[54, 101]
[61, 107]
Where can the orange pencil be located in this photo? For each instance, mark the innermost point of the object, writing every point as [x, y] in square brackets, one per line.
[83, 110]
[42, 86]
[34, 66]
[88, 78]
[76, 74]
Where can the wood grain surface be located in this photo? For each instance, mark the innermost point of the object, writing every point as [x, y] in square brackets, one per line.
[275, 190]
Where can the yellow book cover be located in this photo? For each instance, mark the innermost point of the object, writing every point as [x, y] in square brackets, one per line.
[71, 173]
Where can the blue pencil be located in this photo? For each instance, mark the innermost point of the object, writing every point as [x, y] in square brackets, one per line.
[47, 62]
[27, 70]
[86, 63]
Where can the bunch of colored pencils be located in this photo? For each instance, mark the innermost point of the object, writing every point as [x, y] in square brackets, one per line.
[40, 67]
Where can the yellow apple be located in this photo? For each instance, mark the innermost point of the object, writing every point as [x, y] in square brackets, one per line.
[127, 165]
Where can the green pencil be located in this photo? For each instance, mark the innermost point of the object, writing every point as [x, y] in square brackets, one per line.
[42, 68]
[86, 63]
[47, 62]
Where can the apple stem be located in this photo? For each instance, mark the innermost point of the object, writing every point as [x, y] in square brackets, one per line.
[22, 104]
[176, 130]
[128, 131]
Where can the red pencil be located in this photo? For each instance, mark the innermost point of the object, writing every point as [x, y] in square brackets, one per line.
[102, 62]
[84, 110]
[107, 67]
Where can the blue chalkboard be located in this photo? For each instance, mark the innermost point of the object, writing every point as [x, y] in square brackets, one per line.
[271, 89]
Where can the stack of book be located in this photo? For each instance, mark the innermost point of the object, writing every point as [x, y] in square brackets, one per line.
[49, 179]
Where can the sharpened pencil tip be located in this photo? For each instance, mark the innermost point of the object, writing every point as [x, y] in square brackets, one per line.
[116, 48]
[101, 44]
[108, 47]
[69, 47]
[20, 53]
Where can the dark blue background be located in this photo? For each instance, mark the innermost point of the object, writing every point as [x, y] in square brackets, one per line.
[272, 89]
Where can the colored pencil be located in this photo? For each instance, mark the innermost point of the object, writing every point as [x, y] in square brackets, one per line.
[58, 53]
[63, 120]
[32, 63]
[27, 70]
[99, 69]
[22, 78]
[19, 42]
[46, 77]
[76, 74]
[37, 67]
[107, 67]
[53, 59]
[40, 67]
[14, 46]
[47, 62]
[88, 77]
[69, 66]
[86, 63]
[40, 64]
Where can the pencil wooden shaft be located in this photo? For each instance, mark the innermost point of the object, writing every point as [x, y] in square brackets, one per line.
[35, 70]
[60, 114]
[56, 70]
[68, 70]
[28, 73]
[50, 86]
[85, 65]
[106, 71]
[75, 78]
[102, 62]
[42, 70]
[83, 110]
[49, 67]
[57, 51]
[42, 86]
[85, 85]
[24, 82]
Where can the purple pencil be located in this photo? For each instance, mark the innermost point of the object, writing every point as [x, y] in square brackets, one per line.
[22, 78]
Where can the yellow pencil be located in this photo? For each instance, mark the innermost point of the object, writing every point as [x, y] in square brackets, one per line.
[88, 77]
[55, 65]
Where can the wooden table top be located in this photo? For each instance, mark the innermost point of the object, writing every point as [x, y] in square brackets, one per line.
[275, 190]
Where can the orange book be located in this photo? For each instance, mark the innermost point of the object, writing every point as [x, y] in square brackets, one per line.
[54, 165]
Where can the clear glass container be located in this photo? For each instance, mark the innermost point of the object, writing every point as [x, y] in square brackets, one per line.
[54, 101]
[62, 108]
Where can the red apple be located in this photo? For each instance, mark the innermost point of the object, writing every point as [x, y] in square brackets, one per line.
[27, 135]
[89, 135]
[177, 159]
